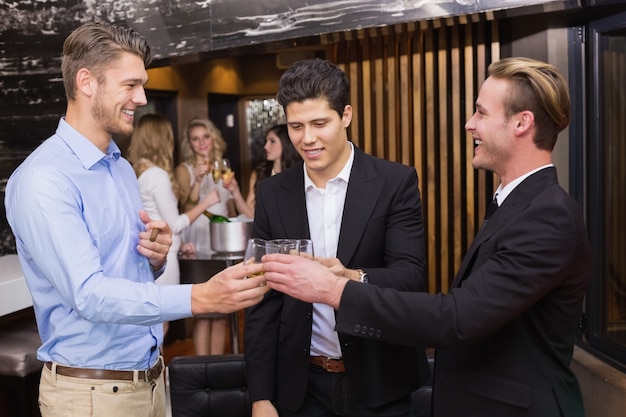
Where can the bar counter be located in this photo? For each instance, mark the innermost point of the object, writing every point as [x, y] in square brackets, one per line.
[14, 293]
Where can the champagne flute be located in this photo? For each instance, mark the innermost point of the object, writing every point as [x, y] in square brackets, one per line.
[222, 169]
[227, 172]
[216, 171]
[255, 250]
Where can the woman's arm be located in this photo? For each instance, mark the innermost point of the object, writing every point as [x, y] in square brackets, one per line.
[240, 204]
[251, 195]
[211, 198]
[189, 194]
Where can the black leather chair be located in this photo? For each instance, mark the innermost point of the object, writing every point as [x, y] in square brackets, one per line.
[20, 369]
[209, 386]
[215, 386]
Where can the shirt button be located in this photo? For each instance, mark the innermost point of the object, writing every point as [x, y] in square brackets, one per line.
[357, 328]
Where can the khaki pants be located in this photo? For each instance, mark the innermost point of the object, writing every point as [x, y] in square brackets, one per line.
[62, 396]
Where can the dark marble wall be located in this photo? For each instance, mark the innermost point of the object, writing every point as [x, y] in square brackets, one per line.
[32, 32]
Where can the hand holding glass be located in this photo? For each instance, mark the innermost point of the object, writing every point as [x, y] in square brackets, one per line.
[254, 252]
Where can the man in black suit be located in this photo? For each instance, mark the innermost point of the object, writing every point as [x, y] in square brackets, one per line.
[361, 212]
[505, 331]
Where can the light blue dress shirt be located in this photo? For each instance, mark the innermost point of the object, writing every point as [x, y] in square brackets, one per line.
[75, 215]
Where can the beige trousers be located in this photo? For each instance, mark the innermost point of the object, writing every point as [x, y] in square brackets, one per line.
[62, 396]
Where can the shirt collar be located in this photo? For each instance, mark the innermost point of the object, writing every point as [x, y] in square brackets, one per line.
[83, 148]
[344, 175]
[502, 193]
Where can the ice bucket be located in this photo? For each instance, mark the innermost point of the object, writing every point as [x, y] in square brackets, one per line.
[231, 237]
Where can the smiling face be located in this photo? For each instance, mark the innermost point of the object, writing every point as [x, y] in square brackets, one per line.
[319, 135]
[201, 141]
[119, 93]
[492, 132]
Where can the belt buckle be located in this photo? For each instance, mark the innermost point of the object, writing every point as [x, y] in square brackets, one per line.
[331, 364]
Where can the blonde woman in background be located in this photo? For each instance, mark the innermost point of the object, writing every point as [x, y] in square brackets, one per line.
[203, 144]
[151, 154]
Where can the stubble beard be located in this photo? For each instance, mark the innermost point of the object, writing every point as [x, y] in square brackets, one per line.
[111, 124]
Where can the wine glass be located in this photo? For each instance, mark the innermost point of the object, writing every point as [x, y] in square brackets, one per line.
[255, 250]
[222, 169]
[216, 171]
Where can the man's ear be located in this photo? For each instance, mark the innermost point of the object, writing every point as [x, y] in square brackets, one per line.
[85, 82]
[524, 120]
[346, 118]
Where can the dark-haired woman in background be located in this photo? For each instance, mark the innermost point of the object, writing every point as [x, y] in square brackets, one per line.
[279, 155]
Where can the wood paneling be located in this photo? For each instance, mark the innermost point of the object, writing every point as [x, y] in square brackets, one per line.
[413, 86]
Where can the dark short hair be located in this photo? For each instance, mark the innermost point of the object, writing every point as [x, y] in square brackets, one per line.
[314, 79]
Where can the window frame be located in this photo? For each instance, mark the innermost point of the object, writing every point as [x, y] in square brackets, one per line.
[587, 175]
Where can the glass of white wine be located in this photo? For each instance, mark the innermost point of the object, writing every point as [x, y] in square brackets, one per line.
[222, 169]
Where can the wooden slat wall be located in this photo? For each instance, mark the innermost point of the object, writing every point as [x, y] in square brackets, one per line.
[413, 86]
[614, 61]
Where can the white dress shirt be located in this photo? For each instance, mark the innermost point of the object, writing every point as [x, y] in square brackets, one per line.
[325, 212]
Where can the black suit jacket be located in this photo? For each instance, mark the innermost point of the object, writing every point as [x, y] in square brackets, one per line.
[382, 233]
[505, 331]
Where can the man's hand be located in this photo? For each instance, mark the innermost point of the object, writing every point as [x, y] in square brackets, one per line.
[305, 279]
[235, 288]
[264, 408]
[155, 242]
[337, 268]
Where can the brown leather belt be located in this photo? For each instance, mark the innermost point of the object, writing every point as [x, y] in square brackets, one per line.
[88, 373]
[328, 364]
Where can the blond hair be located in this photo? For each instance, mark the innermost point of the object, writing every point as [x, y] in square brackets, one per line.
[219, 144]
[538, 87]
[152, 144]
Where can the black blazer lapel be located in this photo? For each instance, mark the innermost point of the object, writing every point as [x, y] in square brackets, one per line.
[364, 188]
[291, 203]
[517, 201]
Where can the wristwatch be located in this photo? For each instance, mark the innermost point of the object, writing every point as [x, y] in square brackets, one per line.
[363, 276]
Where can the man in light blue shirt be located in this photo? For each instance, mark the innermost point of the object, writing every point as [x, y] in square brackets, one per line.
[88, 250]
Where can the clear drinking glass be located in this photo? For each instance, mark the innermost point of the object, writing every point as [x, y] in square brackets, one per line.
[255, 250]
[222, 169]
[305, 248]
[288, 246]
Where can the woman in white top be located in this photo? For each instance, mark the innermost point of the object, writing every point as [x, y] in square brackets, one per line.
[203, 144]
[151, 154]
